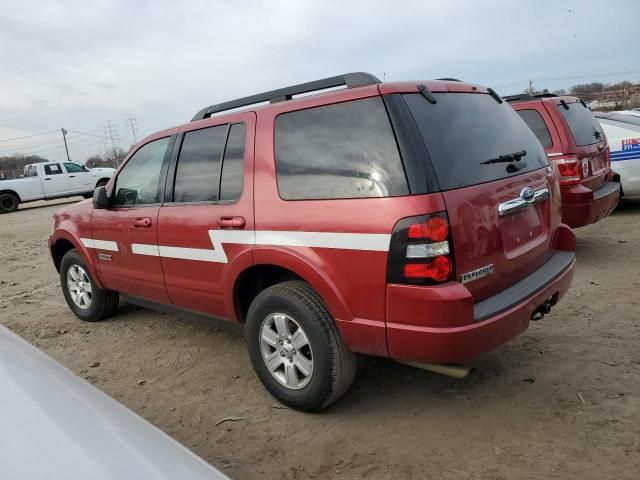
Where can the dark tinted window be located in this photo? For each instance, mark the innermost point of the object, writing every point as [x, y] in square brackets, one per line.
[462, 130]
[139, 180]
[584, 127]
[198, 172]
[233, 165]
[346, 150]
[538, 125]
[52, 169]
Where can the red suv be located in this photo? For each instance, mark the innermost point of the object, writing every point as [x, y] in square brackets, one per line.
[415, 220]
[577, 146]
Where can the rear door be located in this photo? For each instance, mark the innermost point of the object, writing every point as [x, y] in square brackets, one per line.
[125, 235]
[501, 196]
[55, 181]
[206, 226]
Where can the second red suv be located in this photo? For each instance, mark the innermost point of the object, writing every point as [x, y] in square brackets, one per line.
[577, 146]
[415, 220]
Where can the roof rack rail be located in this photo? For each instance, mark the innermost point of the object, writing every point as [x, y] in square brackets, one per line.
[351, 80]
[525, 96]
[450, 79]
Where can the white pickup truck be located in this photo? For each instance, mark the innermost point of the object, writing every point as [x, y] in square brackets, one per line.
[49, 180]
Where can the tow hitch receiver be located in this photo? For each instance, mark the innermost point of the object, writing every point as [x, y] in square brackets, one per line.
[542, 310]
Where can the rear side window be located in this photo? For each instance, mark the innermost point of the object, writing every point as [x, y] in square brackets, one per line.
[537, 124]
[211, 165]
[584, 127]
[52, 169]
[346, 150]
[233, 166]
[463, 131]
[198, 173]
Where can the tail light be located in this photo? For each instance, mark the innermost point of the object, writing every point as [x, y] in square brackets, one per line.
[420, 252]
[569, 169]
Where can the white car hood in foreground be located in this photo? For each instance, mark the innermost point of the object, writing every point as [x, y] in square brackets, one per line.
[54, 425]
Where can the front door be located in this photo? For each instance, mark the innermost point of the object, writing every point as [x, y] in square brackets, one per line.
[80, 180]
[55, 181]
[206, 229]
[125, 235]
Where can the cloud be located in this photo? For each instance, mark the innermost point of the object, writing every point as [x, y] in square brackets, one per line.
[78, 64]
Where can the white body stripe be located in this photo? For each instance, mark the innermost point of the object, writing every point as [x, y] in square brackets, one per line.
[377, 242]
[100, 244]
[142, 249]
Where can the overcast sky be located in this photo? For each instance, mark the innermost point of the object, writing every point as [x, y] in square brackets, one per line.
[79, 64]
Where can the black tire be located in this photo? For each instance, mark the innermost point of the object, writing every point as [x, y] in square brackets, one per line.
[102, 182]
[334, 365]
[8, 203]
[103, 303]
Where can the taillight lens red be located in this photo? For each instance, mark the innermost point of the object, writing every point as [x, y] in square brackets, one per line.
[569, 169]
[439, 269]
[420, 252]
[435, 229]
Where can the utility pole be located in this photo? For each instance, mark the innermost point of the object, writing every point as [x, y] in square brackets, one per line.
[109, 129]
[134, 127]
[530, 87]
[64, 137]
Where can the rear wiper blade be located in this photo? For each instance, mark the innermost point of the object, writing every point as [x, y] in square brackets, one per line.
[509, 157]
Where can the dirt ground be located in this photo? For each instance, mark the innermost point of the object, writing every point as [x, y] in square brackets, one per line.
[560, 401]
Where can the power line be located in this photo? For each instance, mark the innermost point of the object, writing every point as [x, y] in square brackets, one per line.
[29, 136]
[573, 77]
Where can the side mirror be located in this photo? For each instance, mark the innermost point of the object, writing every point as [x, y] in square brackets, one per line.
[100, 198]
[84, 167]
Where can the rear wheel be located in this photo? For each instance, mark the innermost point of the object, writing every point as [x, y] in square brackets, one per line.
[102, 182]
[8, 203]
[296, 349]
[85, 299]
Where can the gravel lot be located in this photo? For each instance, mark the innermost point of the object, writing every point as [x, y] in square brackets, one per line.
[561, 401]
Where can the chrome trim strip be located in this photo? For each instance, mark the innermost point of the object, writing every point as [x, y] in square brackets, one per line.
[518, 204]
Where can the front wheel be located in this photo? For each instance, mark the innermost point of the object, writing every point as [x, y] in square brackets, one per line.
[85, 299]
[8, 203]
[296, 349]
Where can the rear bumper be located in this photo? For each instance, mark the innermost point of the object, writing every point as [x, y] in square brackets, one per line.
[581, 206]
[421, 341]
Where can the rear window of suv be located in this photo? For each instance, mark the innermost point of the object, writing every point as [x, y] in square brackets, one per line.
[346, 150]
[463, 130]
[584, 127]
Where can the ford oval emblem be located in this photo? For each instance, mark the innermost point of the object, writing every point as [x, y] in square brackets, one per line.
[527, 194]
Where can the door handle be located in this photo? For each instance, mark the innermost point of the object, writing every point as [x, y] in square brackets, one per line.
[47, 178]
[72, 176]
[143, 222]
[232, 222]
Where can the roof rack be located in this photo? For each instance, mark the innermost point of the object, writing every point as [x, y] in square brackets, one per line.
[351, 80]
[525, 96]
[450, 79]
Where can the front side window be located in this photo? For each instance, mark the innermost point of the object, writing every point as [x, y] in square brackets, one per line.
[346, 150]
[52, 169]
[139, 181]
[73, 167]
[537, 124]
[198, 172]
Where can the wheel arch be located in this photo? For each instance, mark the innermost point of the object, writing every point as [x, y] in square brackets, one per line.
[62, 242]
[12, 192]
[273, 266]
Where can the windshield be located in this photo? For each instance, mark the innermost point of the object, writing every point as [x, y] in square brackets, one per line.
[584, 127]
[464, 131]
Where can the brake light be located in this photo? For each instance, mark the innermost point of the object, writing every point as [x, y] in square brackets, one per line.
[439, 269]
[568, 170]
[420, 251]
